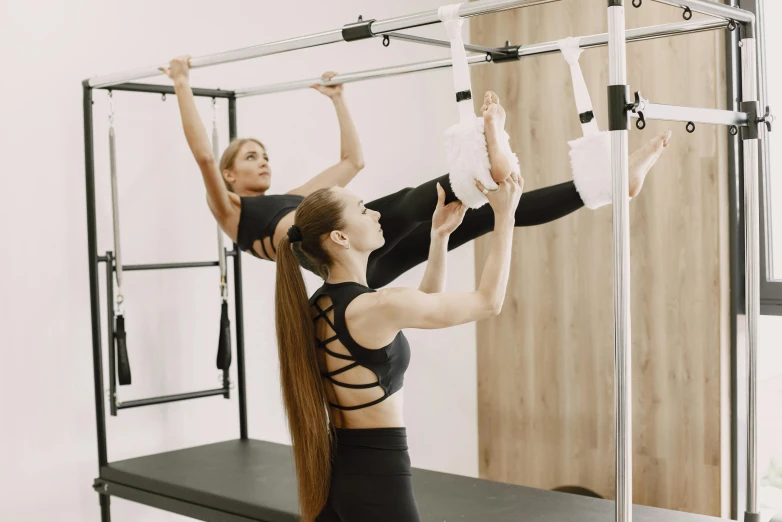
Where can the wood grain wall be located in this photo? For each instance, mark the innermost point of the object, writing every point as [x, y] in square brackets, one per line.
[545, 365]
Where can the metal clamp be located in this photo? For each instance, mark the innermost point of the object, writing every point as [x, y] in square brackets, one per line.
[637, 3]
[687, 14]
[733, 130]
[638, 106]
[386, 40]
[690, 127]
[732, 25]
[767, 118]
[359, 30]
[506, 53]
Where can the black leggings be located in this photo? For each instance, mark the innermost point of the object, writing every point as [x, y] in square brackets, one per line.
[371, 479]
[406, 217]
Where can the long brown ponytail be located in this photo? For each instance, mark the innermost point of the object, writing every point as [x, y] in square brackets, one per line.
[303, 391]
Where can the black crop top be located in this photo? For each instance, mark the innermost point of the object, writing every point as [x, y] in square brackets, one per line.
[388, 363]
[259, 217]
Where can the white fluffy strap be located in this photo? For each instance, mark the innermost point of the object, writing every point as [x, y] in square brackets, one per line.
[449, 15]
[571, 51]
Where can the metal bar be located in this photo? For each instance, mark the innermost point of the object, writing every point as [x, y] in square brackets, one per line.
[631, 35]
[733, 81]
[238, 303]
[381, 26]
[442, 43]
[654, 111]
[617, 70]
[751, 222]
[466, 10]
[767, 245]
[169, 398]
[110, 334]
[713, 9]
[166, 89]
[587, 42]
[92, 254]
[170, 266]
[109, 489]
[357, 76]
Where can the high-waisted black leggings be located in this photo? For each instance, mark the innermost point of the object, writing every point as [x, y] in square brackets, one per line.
[371, 479]
[406, 217]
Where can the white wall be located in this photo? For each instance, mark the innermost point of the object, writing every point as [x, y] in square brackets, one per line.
[48, 453]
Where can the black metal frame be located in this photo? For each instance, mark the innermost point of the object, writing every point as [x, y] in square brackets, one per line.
[94, 261]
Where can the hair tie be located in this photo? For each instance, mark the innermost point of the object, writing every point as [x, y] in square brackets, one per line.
[294, 234]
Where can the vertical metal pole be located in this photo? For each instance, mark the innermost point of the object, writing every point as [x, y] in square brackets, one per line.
[752, 256]
[621, 229]
[238, 301]
[736, 263]
[110, 333]
[92, 254]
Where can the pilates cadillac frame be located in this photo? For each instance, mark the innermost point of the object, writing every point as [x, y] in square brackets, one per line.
[248, 480]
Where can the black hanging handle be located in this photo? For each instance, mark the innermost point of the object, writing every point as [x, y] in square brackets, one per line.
[224, 342]
[123, 363]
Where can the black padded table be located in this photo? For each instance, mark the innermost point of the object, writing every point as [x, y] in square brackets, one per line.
[251, 480]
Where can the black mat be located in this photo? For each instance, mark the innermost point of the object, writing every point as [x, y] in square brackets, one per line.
[255, 479]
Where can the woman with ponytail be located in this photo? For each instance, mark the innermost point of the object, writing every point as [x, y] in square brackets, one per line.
[343, 354]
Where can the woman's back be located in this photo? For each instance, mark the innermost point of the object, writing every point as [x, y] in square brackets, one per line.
[363, 383]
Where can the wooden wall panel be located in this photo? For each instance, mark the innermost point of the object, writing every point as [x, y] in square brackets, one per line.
[545, 365]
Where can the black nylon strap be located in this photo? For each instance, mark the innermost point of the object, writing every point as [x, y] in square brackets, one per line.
[463, 95]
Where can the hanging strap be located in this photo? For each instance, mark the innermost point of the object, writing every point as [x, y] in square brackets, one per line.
[571, 51]
[120, 337]
[123, 363]
[449, 15]
[224, 339]
[115, 201]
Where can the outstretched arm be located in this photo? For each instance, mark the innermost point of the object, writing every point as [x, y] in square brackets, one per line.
[445, 220]
[351, 155]
[198, 139]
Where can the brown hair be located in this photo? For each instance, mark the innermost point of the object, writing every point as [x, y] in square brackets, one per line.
[229, 156]
[303, 391]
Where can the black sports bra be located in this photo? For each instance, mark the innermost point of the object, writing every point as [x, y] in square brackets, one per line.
[388, 363]
[259, 217]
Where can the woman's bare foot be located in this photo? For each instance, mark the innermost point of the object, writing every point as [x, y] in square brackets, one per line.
[494, 125]
[643, 159]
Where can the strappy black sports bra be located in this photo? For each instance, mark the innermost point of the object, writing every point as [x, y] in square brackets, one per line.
[259, 217]
[388, 363]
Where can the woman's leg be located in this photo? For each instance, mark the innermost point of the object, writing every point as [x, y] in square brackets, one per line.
[401, 212]
[535, 208]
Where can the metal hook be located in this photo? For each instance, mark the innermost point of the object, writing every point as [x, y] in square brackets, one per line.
[687, 14]
[732, 25]
[637, 3]
[386, 40]
[640, 123]
[360, 18]
[733, 130]
[163, 97]
[690, 127]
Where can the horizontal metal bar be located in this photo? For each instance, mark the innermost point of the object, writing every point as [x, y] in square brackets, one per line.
[587, 42]
[708, 7]
[441, 43]
[631, 35]
[378, 27]
[170, 504]
[358, 76]
[466, 10]
[169, 266]
[653, 111]
[167, 89]
[170, 398]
